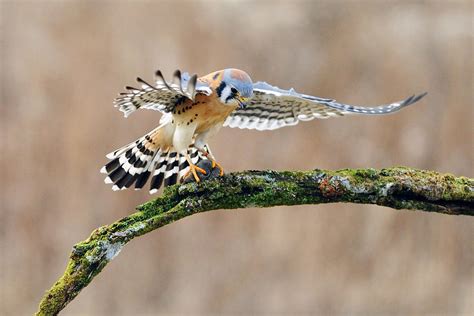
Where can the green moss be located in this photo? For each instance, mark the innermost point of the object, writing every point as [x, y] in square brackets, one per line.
[399, 188]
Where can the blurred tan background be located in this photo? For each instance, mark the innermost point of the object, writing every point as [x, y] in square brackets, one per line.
[64, 62]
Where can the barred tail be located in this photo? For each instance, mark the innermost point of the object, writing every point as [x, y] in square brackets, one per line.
[136, 162]
[171, 166]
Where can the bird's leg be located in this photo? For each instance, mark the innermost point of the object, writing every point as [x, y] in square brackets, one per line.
[192, 169]
[207, 153]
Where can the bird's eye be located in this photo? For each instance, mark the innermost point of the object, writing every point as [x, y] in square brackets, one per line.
[233, 90]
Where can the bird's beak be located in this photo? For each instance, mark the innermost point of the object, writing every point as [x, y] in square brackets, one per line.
[242, 102]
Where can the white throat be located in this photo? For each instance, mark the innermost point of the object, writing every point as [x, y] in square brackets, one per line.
[226, 92]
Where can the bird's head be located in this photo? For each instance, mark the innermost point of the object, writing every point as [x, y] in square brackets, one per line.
[235, 88]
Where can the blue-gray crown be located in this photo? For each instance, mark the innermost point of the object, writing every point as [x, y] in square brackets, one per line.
[239, 80]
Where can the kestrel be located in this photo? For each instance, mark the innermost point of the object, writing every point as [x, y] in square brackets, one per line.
[194, 109]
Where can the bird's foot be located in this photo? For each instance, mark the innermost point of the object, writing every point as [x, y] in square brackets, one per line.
[193, 170]
[216, 164]
[211, 172]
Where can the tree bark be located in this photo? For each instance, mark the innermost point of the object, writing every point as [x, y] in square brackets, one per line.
[398, 188]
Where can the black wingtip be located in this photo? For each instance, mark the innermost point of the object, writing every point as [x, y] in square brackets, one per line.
[162, 79]
[160, 76]
[140, 80]
[408, 100]
[414, 98]
[177, 80]
[419, 97]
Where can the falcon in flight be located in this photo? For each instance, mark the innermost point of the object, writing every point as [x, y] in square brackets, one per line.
[194, 109]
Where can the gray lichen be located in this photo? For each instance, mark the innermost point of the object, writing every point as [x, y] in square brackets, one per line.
[399, 188]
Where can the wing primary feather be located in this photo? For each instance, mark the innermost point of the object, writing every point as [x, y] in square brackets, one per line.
[140, 80]
[381, 109]
[191, 88]
[176, 77]
[162, 79]
[418, 97]
[177, 82]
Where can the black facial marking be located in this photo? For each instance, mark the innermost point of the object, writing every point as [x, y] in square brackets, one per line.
[220, 88]
[233, 90]
[215, 76]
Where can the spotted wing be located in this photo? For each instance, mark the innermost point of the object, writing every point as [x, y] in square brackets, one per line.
[271, 108]
[163, 96]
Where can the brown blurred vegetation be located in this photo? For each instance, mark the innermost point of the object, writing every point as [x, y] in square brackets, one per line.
[63, 62]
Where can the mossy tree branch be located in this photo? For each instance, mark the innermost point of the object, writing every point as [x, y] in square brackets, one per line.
[398, 188]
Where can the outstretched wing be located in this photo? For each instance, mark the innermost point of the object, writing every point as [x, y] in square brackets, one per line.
[271, 108]
[163, 96]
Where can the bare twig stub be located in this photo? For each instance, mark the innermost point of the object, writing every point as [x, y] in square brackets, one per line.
[398, 188]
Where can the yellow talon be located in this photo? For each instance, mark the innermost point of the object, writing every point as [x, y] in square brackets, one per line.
[214, 164]
[192, 169]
